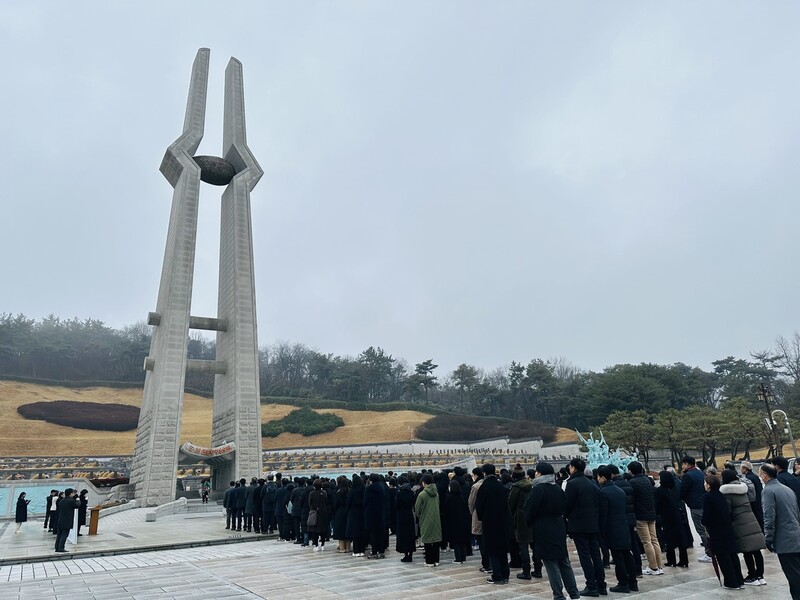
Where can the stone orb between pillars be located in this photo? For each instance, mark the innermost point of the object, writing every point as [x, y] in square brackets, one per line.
[215, 170]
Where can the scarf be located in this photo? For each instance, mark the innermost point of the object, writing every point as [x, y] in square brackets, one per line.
[545, 479]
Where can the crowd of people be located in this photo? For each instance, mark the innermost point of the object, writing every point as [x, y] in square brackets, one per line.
[639, 523]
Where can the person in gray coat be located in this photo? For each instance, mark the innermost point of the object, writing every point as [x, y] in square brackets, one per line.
[782, 526]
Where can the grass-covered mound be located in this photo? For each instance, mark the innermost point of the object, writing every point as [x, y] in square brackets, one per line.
[303, 421]
[83, 415]
[452, 428]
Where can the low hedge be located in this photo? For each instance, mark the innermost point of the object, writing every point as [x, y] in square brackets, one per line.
[304, 421]
[446, 428]
[83, 415]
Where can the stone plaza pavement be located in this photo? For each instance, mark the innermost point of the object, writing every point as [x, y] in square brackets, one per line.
[270, 569]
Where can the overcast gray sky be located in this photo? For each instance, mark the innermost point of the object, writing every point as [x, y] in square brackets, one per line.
[463, 181]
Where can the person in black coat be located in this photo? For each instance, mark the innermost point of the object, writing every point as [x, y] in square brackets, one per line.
[84, 500]
[459, 522]
[721, 537]
[405, 532]
[288, 516]
[296, 499]
[355, 517]
[281, 499]
[392, 505]
[644, 505]
[268, 497]
[491, 506]
[258, 509]
[21, 511]
[442, 487]
[544, 510]
[65, 515]
[630, 514]
[614, 531]
[318, 505]
[583, 525]
[673, 531]
[340, 513]
[47, 513]
[375, 515]
[746, 469]
[305, 509]
[240, 499]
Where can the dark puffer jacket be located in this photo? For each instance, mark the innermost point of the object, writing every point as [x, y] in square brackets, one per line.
[749, 537]
[630, 513]
[644, 502]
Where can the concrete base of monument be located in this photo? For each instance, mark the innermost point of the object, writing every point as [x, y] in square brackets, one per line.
[123, 533]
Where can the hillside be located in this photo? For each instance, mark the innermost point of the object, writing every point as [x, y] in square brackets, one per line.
[22, 437]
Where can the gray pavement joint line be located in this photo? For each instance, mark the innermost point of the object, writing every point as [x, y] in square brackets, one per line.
[134, 550]
[223, 580]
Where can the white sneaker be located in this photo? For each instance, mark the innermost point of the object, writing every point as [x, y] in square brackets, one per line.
[659, 571]
[316, 548]
[649, 571]
[705, 559]
[321, 548]
[761, 581]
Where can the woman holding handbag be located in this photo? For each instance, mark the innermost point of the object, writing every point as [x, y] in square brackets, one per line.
[318, 516]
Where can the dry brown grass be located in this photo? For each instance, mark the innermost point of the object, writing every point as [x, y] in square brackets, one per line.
[21, 437]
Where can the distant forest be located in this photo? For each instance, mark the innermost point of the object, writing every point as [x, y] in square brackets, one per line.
[550, 390]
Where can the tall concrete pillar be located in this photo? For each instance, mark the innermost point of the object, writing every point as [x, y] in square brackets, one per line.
[237, 417]
[237, 412]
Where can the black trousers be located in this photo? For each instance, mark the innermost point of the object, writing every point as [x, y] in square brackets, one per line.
[636, 548]
[460, 551]
[298, 530]
[432, 553]
[731, 570]
[267, 521]
[790, 563]
[524, 557]
[623, 567]
[239, 518]
[484, 555]
[500, 568]
[755, 564]
[61, 538]
[257, 521]
[683, 557]
[588, 549]
[376, 541]
[248, 521]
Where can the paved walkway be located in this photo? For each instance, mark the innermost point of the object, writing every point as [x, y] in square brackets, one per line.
[272, 569]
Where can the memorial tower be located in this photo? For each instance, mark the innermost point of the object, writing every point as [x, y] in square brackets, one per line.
[236, 428]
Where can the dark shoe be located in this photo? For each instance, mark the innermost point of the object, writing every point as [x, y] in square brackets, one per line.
[227, 528]
[80, 534]
[406, 559]
[523, 575]
[670, 565]
[602, 589]
[590, 593]
[633, 586]
[60, 550]
[373, 556]
[485, 570]
[620, 589]
[537, 574]
[683, 565]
